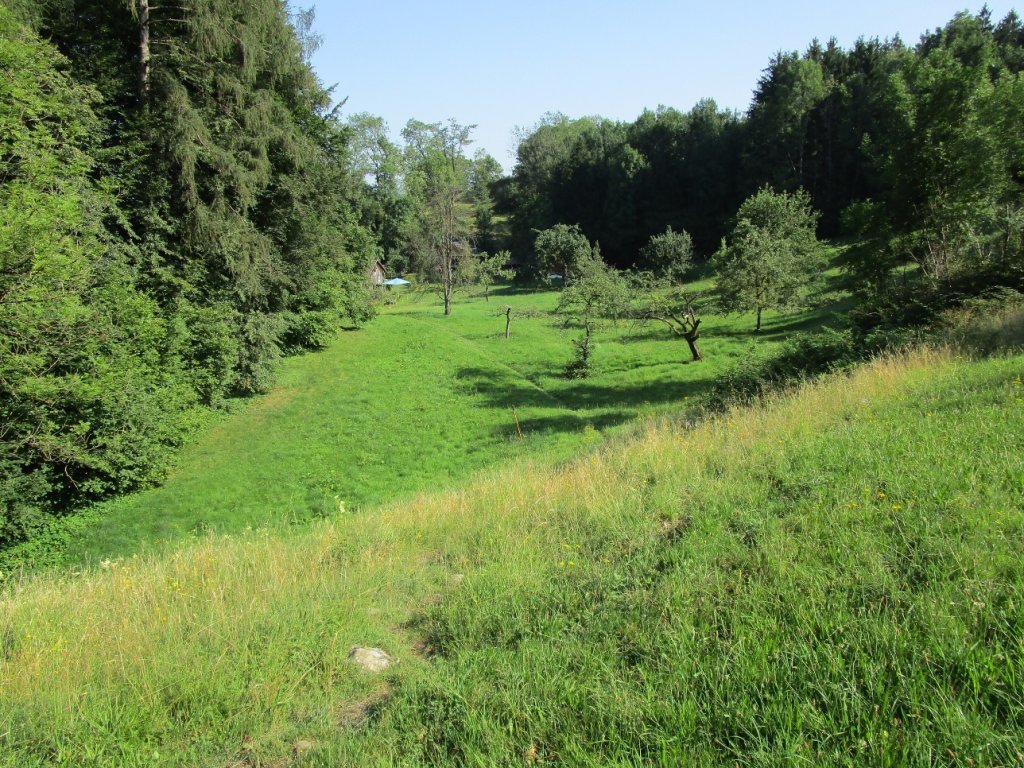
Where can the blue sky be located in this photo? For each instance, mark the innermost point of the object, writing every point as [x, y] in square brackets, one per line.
[502, 65]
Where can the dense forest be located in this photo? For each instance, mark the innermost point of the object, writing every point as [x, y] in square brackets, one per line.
[918, 147]
[178, 212]
[184, 203]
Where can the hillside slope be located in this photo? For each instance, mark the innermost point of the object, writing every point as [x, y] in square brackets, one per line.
[836, 578]
[414, 402]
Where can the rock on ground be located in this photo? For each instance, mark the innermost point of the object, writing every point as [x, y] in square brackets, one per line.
[371, 659]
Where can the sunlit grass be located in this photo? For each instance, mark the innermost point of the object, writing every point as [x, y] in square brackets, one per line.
[417, 401]
[833, 579]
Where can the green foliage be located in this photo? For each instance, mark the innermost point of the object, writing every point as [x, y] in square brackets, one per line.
[487, 269]
[580, 366]
[437, 182]
[564, 250]
[669, 254]
[596, 294]
[159, 247]
[484, 173]
[772, 259]
[803, 356]
[601, 292]
[89, 403]
[258, 352]
[665, 301]
[205, 341]
[927, 133]
[384, 209]
[783, 107]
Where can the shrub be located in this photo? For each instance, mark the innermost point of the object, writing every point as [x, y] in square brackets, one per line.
[580, 366]
[803, 356]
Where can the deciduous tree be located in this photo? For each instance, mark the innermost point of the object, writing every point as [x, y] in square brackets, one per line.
[669, 255]
[665, 301]
[772, 258]
[564, 250]
[600, 292]
[437, 178]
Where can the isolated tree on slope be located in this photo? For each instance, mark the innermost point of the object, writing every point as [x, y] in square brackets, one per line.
[662, 300]
[601, 292]
[489, 268]
[565, 250]
[772, 259]
[668, 255]
[437, 179]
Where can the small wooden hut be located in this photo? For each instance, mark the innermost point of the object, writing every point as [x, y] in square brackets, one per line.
[378, 274]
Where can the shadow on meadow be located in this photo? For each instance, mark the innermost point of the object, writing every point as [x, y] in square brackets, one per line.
[778, 328]
[573, 422]
[519, 289]
[578, 395]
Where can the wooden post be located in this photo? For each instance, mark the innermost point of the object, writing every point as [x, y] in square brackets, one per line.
[508, 320]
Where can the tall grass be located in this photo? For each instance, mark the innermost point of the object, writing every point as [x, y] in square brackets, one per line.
[835, 578]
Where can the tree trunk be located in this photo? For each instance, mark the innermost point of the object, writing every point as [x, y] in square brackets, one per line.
[691, 340]
[447, 300]
[144, 52]
[758, 328]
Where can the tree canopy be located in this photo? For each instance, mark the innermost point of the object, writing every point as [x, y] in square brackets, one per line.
[925, 138]
[181, 207]
[772, 257]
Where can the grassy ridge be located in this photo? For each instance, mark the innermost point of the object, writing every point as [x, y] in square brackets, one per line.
[415, 401]
[833, 579]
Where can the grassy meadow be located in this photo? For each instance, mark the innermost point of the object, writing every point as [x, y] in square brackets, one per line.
[414, 402]
[832, 579]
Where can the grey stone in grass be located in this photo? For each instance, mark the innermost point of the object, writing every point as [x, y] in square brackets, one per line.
[371, 659]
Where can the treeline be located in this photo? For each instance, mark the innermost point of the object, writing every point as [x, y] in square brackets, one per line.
[916, 152]
[179, 207]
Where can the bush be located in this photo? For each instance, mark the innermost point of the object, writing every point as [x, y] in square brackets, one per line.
[580, 366]
[204, 341]
[803, 356]
[986, 323]
[983, 324]
[310, 330]
[259, 351]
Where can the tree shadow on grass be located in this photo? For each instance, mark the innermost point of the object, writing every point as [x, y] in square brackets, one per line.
[572, 422]
[578, 395]
[518, 290]
[813, 320]
[643, 335]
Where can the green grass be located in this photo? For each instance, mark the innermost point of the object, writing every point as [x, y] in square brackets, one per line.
[836, 578]
[840, 582]
[417, 402]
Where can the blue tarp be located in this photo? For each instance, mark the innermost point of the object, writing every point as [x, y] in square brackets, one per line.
[397, 281]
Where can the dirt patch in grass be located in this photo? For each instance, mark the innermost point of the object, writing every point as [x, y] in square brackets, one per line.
[354, 715]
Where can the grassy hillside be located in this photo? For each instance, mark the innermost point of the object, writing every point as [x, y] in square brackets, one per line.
[834, 579]
[416, 402]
